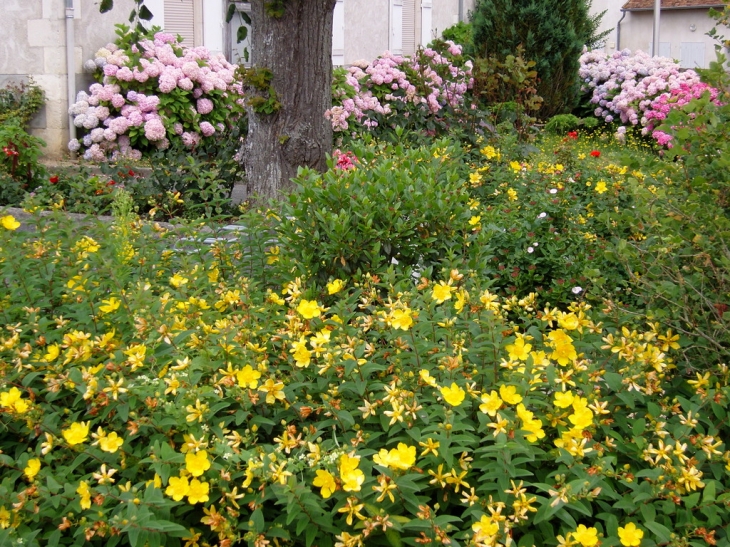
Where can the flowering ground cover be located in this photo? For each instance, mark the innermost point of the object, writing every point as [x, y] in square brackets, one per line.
[497, 376]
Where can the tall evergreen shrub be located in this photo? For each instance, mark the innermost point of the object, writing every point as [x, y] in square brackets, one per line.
[552, 32]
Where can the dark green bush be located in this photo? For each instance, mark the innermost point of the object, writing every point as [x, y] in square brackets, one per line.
[553, 35]
[398, 205]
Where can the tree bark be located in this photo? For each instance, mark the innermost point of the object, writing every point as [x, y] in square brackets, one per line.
[297, 48]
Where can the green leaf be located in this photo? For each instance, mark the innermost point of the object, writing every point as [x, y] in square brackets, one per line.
[661, 532]
[106, 5]
[144, 13]
[393, 538]
[241, 34]
[132, 16]
[246, 17]
[709, 492]
[230, 12]
[648, 512]
[692, 500]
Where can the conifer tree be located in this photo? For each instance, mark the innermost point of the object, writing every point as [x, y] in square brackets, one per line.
[553, 34]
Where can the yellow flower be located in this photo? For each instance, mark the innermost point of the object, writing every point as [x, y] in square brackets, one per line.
[333, 287]
[563, 399]
[326, 481]
[110, 305]
[9, 222]
[509, 394]
[31, 470]
[441, 292]
[52, 354]
[512, 194]
[569, 321]
[111, 443]
[85, 493]
[178, 488]
[273, 255]
[515, 166]
[587, 537]
[274, 391]
[4, 518]
[352, 478]
[490, 403]
[178, 281]
[430, 446]
[490, 152]
[630, 535]
[248, 377]
[600, 187]
[302, 355]
[13, 400]
[197, 463]
[86, 245]
[453, 395]
[582, 417]
[309, 309]
[198, 492]
[485, 527]
[530, 424]
[519, 350]
[77, 433]
[403, 457]
[401, 319]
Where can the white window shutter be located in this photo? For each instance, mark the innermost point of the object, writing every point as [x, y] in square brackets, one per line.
[426, 22]
[692, 54]
[396, 26]
[338, 34]
[184, 17]
[409, 27]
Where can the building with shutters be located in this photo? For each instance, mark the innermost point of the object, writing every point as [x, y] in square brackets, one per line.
[682, 32]
[38, 36]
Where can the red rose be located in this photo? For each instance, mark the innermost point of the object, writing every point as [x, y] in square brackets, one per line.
[595, 154]
[54, 179]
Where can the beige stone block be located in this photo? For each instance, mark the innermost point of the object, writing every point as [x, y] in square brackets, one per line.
[54, 9]
[53, 85]
[17, 58]
[21, 10]
[46, 32]
[56, 142]
[54, 60]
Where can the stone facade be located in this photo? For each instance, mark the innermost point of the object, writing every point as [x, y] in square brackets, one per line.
[33, 44]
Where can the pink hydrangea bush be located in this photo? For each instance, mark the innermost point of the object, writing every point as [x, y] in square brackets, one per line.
[637, 89]
[421, 87]
[153, 93]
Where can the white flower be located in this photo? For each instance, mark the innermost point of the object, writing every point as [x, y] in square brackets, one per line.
[553, 190]
[542, 215]
[530, 249]
[577, 290]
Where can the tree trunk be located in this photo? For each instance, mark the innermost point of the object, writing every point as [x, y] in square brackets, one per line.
[296, 46]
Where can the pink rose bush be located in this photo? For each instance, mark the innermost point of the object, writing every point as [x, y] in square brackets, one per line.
[368, 94]
[151, 94]
[637, 89]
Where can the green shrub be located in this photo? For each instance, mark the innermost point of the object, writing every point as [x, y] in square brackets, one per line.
[20, 168]
[397, 205]
[21, 101]
[562, 123]
[460, 33]
[679, 265]
[156, 396]
[553, 35]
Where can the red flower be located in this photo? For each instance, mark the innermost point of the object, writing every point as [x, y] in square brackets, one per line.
[54, 179]
[595, 154]
[573, 134]
[131, 173]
